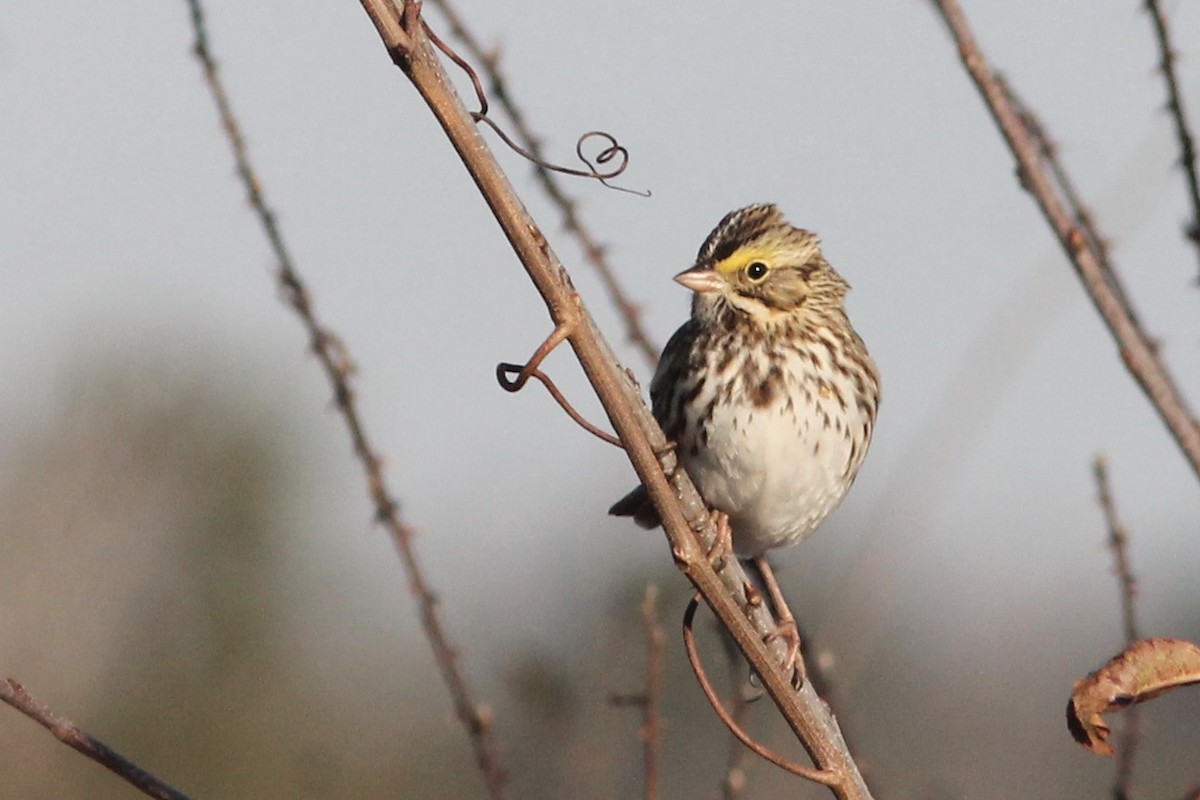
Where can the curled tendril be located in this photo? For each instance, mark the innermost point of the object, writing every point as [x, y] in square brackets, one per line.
[822, 776]
[462, 64]
[613, 150]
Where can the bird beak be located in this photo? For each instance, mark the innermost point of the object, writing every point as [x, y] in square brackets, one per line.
[701, 279]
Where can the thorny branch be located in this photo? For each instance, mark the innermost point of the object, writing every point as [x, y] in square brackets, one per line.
[1118, 541]
[1138, 351]
[1187, 145]
[83, 742]
[338, 369]
[685, 518]
[593, 251]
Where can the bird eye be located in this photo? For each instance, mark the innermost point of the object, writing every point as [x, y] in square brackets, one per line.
[756, 270]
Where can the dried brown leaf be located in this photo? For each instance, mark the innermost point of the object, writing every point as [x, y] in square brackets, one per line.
[1142, 671]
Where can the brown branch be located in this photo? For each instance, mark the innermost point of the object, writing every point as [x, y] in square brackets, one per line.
[83, 742]
[593, 251]
[1187, 146]
[686, 521]
[1118, 541]
[338, 367]
[1137, 349]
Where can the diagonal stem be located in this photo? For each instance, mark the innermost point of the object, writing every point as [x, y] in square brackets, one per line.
[1118, 541]
[676, 500]
[1187, 144]
[83, 742]
[1138, 352]
[338, 368]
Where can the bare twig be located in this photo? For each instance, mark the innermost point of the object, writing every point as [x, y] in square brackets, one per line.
[1118, 541]
[651, 721]
[648, 699]
[338, 369]
[1138, 351]
[593, 251]
[733, 782]
[686, 520]
[1187, 145]
[83, 742]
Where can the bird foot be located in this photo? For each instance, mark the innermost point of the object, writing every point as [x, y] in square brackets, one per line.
[722, 546]
[793, 661]
[792, 664]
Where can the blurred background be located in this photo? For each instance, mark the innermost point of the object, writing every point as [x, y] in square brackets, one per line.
[188, 564]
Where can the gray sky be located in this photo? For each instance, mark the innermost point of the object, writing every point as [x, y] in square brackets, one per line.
[122, 232]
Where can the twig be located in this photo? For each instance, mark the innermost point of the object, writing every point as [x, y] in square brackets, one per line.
[686, 520]
[338, 367]
[593, 251]
[651, 721]
[733, 784]
[1187, 146]
[1138, 351]
[648, 699]
[1118, 541]
[66, 732]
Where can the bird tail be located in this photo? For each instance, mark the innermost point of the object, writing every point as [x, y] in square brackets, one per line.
[637, 504]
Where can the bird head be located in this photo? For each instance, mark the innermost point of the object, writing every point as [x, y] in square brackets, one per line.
[757, 263]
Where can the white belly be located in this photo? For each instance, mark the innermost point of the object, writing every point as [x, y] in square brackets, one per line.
[777, 471]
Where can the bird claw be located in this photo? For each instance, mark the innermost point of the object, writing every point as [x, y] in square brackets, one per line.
[722, 545]
[792, 664]
[793, 661]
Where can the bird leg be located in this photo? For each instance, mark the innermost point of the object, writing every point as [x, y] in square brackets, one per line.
[787, 630]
